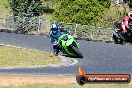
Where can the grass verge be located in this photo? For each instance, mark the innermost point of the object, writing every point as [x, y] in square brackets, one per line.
[10, 56]
[50, 81]
[76, 86]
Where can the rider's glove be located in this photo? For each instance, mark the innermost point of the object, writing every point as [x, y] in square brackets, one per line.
[124, 31]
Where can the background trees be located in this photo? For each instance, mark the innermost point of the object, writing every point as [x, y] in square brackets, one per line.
[80, 11]
[29, 7]
[93, 12]
[27, 15]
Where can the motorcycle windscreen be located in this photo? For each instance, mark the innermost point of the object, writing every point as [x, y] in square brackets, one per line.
[68, 41]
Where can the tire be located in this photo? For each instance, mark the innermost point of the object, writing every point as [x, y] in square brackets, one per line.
[122, 42]
[9, 31]
[3, 30]
[77, 52]
[25, 32]
[18, 31]
[115, 39]
[118, 40]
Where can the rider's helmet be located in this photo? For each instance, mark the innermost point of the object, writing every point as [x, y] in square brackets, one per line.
[130, 14]
[54, 28]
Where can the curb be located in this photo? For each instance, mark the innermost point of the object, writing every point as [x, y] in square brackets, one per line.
[88, 39]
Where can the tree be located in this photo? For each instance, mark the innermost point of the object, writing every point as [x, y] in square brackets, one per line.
[30, 7]
[130, 3]
[105, 3]
[27, 14]
[78, 11]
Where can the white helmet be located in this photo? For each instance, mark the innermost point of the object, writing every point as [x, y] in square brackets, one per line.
[130, 14]
[54, 28]
[54, 25]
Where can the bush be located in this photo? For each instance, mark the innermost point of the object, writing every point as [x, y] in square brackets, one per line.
[93, 12]
[105, 3]
[78, 11]
[27, 14]
[29, 7]
[110, 16]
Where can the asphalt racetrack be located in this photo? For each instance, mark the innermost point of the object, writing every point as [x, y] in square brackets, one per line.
[99, 57]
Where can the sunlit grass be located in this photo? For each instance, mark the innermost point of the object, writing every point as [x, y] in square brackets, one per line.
[10, 56]
[4, 7]
[73, 86]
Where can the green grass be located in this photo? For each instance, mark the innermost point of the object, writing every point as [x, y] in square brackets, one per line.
[74, 86]
[4, 7]
[10, 56]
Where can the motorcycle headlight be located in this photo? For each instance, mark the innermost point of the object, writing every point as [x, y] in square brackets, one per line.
[65, 38]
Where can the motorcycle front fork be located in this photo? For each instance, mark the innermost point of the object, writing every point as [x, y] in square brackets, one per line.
[56, 49]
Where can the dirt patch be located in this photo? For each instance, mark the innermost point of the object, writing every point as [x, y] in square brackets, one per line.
[25, 80]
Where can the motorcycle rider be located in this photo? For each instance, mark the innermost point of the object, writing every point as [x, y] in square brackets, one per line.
[124, 25]
[54, 34]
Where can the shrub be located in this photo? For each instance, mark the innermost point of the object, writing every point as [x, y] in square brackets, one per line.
[110, 16]
[78, 11]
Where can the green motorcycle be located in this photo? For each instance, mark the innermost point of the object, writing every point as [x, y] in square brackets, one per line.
[69, 46]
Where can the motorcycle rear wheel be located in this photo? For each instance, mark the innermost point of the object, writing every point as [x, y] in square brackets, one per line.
[118, 40]
[115, 39]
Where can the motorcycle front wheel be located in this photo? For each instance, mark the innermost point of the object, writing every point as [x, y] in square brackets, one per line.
[77, 52]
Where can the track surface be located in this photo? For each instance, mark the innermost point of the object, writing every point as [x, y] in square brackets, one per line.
[99, 57]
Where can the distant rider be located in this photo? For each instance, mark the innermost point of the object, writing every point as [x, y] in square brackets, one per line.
[54, 34]
[124, 25]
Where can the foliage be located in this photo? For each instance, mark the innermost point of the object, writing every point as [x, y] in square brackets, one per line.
[23, 13]
[130, 2]
[30, 7]
[105, 3]
[80, 11]
[110, 16]
[3, 7]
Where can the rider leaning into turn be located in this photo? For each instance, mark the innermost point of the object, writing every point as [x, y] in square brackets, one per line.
[54, 34]
[125, 23]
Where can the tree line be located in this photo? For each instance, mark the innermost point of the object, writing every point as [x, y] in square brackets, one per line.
[80, 11]
[93, 12]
